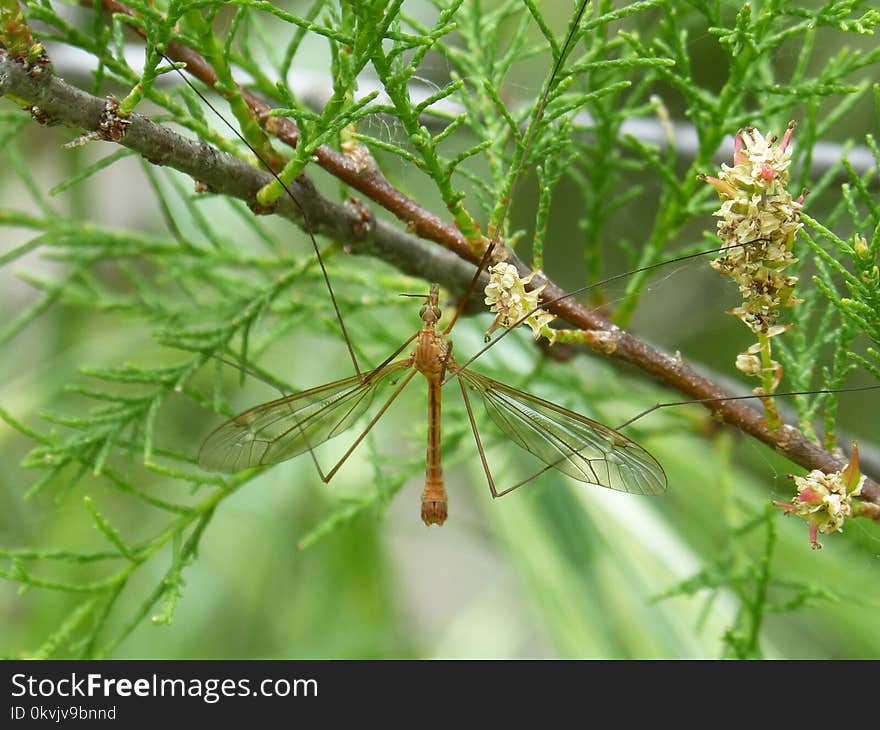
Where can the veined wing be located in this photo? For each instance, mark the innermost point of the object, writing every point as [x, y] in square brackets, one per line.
[578, 446]
[283, 428]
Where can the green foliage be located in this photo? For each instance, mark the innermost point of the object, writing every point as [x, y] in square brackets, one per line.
[161, 317]
[753, 579]
[860, 310]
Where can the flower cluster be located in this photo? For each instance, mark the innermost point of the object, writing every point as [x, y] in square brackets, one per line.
[508, 298]
[758, 224]
[826, 500]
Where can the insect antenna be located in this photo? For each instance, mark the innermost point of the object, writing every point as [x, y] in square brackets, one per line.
[306, 221]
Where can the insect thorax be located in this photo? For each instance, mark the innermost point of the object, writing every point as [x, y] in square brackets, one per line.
[433, 354]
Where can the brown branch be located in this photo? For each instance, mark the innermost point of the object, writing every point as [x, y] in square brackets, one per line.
[227, 174]
[52, 101]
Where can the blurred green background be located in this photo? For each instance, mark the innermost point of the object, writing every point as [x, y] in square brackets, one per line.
[556, 569]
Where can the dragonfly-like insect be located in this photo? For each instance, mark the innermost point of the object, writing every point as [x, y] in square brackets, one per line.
[575, 445]
[578, 446]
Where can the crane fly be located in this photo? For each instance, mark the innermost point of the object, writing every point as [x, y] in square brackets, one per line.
[579, 447]
[566, 441]
[573, 444]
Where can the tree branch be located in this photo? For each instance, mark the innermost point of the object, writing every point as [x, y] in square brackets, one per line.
[53, 101]
[226, 174]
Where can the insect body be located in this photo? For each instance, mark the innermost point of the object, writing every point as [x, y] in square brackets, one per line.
[433, 354]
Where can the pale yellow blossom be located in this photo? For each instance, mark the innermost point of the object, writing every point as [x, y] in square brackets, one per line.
[758, 222]
[507, 297]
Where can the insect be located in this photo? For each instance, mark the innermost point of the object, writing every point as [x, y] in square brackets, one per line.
[575, 445]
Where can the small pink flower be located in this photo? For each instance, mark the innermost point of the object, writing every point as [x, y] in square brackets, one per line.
[758, 223]
[725, 190]
[826, 500]
[511, 302]
[767, 172]
[810, 496]
[786, 138]
[740, 154]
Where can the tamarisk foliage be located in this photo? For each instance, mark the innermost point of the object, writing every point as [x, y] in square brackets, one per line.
[117, 338]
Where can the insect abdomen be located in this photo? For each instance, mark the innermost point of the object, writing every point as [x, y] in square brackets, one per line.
[434, 500]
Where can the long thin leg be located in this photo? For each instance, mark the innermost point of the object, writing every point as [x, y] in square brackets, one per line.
[470, 413]
[720, 399]
[520, 162]
[487, 255]
[388, 359]
[307, 224]
[544, 304]
[489, 478]
[330, 474]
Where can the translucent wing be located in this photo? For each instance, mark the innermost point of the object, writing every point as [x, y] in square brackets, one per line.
[576, 445]
[283, 428]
